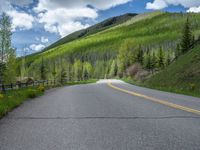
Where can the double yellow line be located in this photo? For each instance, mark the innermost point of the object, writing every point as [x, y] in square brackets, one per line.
[163, 102]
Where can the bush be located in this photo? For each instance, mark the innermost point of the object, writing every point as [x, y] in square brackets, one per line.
[1, 96]
[192, 86]
[29, 80]
[134, 69]
[142, 75]
[31, 93]
[41, 88]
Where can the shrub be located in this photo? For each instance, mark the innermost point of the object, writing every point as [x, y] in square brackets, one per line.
[29, 80]
[31, 93]
[142, 75]
[1, 96]
[134, 69]
[41, 88]
[192, 86]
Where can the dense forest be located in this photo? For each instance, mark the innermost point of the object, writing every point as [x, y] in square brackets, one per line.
[139, 47]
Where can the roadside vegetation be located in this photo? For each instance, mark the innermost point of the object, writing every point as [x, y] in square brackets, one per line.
[14, 98]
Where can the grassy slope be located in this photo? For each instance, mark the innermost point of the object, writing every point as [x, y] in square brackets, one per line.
[161, 28]
[180, 75]
[13, 99]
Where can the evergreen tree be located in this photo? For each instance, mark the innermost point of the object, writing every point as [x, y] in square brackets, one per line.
[168, 59]
[42, 70]
[178, 51]
[186, 42]
[140, 56]
[148, 64]
[153, 62]
[161, 63]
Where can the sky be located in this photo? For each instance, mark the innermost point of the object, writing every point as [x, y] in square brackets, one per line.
[38, 23]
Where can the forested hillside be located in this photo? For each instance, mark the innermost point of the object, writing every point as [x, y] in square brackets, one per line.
[100, 55]
[147, 42]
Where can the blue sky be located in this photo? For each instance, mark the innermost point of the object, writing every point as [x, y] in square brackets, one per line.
[38, 23]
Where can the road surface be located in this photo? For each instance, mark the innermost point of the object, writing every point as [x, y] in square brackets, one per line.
[100, 117]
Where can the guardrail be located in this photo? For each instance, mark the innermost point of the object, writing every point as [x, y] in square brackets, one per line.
[12, 86]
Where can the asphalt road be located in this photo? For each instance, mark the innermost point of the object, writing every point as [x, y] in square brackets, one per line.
[98, 117]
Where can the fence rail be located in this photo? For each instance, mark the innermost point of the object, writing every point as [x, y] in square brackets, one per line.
[12, 86]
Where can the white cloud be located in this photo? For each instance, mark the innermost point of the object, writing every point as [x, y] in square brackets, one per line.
[62, 16]
[21, 20]
[156, 5]
[194, 9]
[44, 40]
[37, 47]
[160, 4]
[6, 5]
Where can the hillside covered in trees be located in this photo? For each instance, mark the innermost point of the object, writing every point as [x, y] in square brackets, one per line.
[138, 46]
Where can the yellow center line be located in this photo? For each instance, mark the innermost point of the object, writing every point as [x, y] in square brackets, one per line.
[163, 102]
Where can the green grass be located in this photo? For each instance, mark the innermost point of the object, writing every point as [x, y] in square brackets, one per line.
[13, 99]
[81, 82]
[182, 76]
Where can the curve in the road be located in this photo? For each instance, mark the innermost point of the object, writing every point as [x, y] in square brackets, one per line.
[156, 100]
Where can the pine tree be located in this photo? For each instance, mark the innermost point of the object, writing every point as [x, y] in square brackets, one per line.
[140, 56]
[186, 42]
[168, 59]
[148, 65]
[42, 70]
[161, 58]
[177, 51]
[153, 62]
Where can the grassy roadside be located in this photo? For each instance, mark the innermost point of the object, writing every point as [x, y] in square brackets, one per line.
[166, 89]
[81, 82]
[13, 99]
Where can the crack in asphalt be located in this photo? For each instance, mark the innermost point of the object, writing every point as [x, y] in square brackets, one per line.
[85, 118]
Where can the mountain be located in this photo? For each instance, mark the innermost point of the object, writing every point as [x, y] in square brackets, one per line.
[111, 22]
[94, 52]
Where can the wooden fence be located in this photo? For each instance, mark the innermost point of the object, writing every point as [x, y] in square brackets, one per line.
[11, 86]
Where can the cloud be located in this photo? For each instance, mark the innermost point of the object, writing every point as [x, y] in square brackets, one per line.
[194, 9]
[160, 4]
[6, 5]
[37, 47]
[44, 40]
[21, 20]
[63, 16]
[156, 5]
